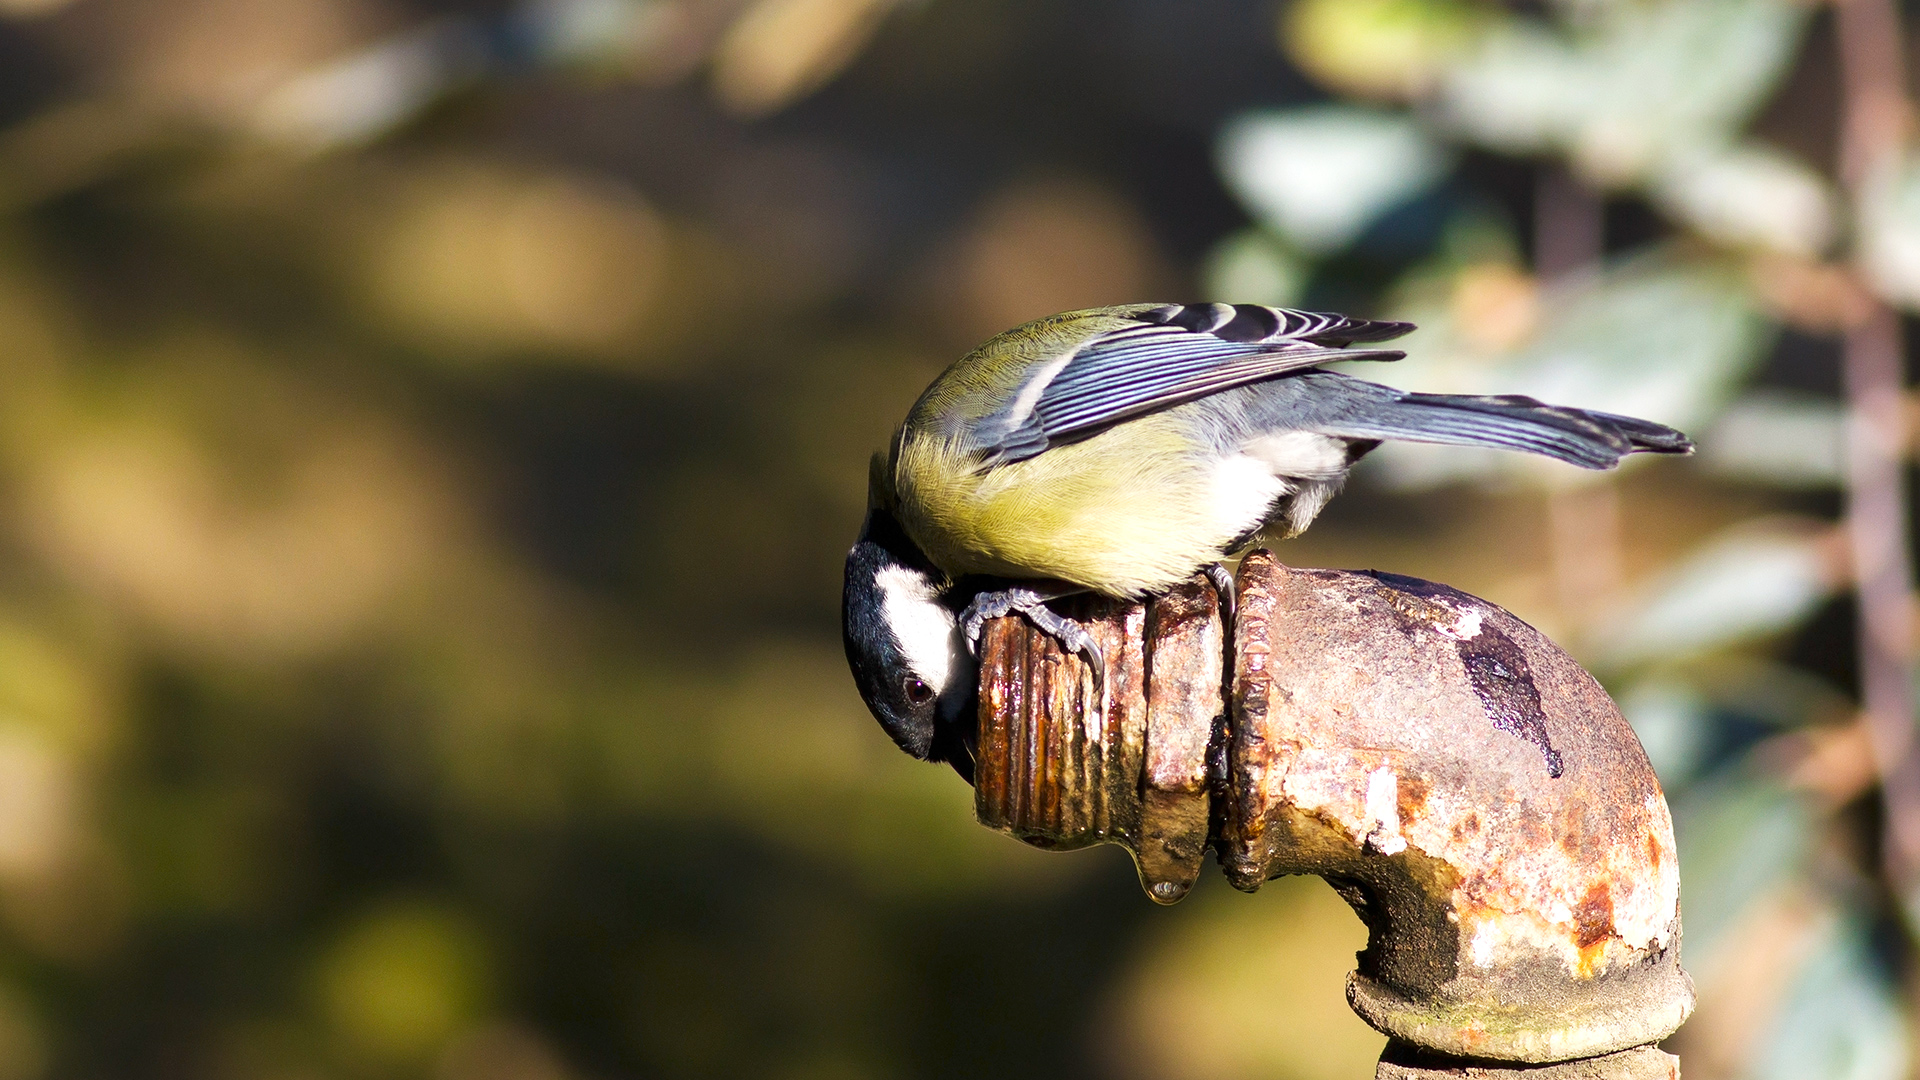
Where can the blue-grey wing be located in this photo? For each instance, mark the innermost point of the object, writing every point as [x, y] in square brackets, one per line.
[1172, 354]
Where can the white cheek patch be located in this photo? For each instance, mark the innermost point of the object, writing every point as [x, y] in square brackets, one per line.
[924, 627]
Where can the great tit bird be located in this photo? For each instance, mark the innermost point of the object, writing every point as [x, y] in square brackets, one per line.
[1118, 450]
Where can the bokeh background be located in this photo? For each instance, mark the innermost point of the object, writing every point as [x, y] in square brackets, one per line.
[430, 431]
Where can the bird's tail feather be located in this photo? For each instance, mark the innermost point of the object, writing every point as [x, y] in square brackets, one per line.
[1591, 440]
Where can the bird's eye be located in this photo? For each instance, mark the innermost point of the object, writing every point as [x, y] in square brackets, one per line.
[918, 692]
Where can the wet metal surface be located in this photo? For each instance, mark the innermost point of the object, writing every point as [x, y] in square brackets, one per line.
[1051, 766]
[1138, 776]
[1465, 785]
[1186, 709]
[1496, 668]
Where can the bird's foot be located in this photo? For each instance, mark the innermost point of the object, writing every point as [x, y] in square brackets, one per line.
[1223, 584]
[1032, 603]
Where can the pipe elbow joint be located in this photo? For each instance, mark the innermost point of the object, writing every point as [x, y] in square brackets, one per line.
[1466, 786]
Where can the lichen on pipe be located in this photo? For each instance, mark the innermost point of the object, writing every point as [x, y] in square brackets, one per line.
[1458, 779]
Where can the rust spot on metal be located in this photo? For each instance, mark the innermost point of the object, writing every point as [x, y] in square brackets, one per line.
[1593, 918]
[1468, 825]
[1369, 737]
[1412, 797]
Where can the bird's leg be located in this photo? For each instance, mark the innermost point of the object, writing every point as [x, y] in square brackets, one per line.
[1222, 579]
[1032, 603]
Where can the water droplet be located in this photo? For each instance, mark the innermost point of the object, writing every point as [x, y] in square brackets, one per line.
[1166, 892]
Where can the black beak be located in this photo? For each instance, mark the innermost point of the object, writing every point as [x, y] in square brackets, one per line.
[956, 750]
[955, 735]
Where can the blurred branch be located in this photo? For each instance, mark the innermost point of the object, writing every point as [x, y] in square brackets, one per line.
[1569, 225]
[1583, 519]
[1873, 131]
[1876, 111]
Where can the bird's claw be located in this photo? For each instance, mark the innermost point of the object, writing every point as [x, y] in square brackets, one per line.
[992, 605]
[1223, 584]
[1071, 635]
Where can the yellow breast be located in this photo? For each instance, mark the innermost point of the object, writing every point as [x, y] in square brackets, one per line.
[1127, 512]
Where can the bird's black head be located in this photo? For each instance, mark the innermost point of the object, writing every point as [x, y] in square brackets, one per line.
[904, 647]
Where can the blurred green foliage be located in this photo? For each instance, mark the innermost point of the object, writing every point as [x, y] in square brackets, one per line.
[432, 429]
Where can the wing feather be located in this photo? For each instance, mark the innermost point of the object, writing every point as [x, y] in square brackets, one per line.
[1173, 354]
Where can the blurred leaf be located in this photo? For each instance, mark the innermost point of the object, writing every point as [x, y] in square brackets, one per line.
[1495, 305]
[1771, 437]
[779, 50]
[1251, 267]
[1673, 723]
[477, 261]
[1840, 1019]
[1378, 48]
[1319, 175]
[56, 691]
[403, 980]
[40, 797]
[1633, 84]
[1739, 836]
[1770, 692]
[210, 61]
[1582, 12]
[1748, 196]
[1888, 232]
[600, 33]
[372, 91]
[1522, 91]
[1824, 298]
[203, 850]
[1746, 583]
[361, 97]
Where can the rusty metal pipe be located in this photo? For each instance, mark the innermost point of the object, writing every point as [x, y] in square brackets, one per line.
[1458, 779]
